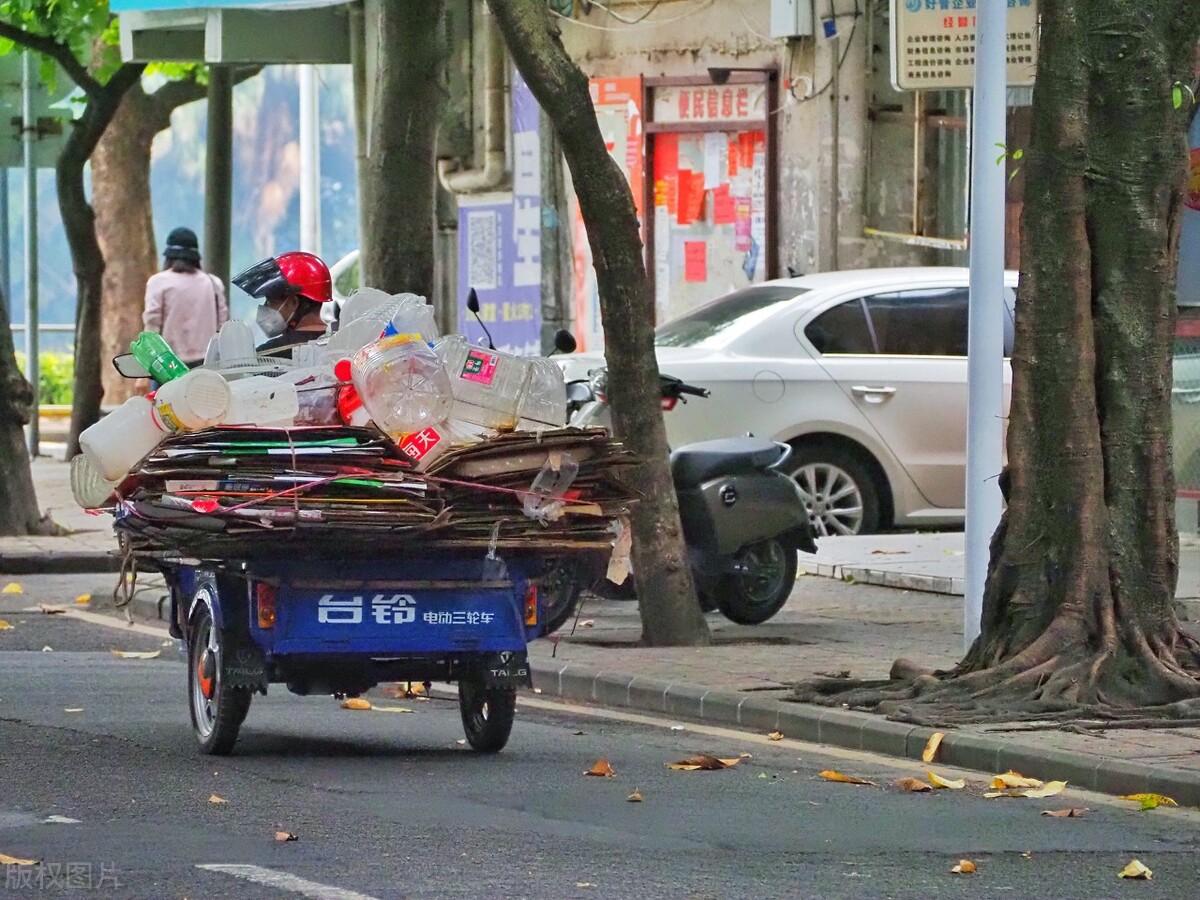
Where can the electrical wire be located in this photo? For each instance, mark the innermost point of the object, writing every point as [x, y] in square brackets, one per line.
[620, 18]
[649, 23]
[841, 62]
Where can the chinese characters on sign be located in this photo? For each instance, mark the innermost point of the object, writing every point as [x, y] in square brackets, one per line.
[933, 43]
[394, 609]
[64, 876]
[710, 103]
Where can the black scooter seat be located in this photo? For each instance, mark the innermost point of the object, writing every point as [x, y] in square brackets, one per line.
[697, 463]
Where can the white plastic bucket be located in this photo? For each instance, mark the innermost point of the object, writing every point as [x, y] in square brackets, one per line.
[200, 399]
[116, 443]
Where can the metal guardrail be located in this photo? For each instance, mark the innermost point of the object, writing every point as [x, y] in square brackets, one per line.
[55, 327]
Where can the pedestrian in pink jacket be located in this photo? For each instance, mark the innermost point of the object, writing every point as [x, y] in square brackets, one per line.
[184, 303]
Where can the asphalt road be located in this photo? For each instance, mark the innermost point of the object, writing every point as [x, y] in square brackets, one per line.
[389, 804]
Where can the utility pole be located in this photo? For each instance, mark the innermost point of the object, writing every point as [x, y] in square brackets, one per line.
[218, 172]
[985, 328]
[29, 143]
[310, 162]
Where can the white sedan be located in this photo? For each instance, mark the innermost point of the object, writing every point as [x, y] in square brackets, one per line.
[864, 372]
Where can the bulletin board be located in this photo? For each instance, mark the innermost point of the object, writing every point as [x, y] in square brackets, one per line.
[710, 207]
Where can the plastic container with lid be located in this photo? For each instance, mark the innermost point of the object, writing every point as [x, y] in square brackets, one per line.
[487, 384]
[116, 443]
[260, 400]
[200, 399]
[402, 384]
[155, 354]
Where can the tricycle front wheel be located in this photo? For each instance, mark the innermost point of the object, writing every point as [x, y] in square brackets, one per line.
[217, 709]
[487, 714]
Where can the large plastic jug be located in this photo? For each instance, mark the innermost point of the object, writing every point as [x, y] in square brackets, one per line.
[543, 402]
[87, 486]
[260, 400]
[402, 384]
[200, 399]
[155, 354]
[116, 443]
[487, 384]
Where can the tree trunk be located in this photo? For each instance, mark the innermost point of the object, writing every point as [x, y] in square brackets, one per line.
[670, 613]
[18, 503]
[125, 229]
[399, 175]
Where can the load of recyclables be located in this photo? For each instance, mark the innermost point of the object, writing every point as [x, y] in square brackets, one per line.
[377, 436]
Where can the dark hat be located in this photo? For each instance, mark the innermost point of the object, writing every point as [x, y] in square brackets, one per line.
[182, 244]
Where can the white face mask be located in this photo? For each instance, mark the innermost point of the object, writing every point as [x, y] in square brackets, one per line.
[272, 322]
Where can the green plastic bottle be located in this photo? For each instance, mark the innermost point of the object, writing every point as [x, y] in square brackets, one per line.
[156, 355]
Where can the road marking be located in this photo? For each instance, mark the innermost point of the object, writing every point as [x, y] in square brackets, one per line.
[285, 881]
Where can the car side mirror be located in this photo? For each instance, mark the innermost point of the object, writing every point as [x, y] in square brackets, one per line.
[564, 341]
[473, 301]
[127, 366]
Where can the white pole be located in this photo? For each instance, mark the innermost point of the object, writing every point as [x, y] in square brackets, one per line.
[310, 162]
[28, 138]
[985, 342]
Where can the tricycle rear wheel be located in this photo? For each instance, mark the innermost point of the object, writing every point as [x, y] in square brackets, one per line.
[487, 714]
[217, 710]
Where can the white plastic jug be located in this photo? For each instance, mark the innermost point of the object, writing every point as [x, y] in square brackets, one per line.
[487, 384]
[263, 401]
[200, 399]
[87, 486]
[402, 384]
[116, 443]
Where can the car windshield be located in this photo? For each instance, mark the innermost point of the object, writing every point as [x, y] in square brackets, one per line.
[726, 317]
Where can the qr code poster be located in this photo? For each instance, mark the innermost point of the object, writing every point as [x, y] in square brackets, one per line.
[483, 249]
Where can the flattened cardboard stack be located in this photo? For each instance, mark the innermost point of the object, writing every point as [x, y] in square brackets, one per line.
[246, 493]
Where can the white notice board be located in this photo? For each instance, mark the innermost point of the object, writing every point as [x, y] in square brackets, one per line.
[933, 43]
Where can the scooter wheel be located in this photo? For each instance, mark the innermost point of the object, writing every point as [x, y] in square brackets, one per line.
[487, 714]
[763, 579]
[217, 710]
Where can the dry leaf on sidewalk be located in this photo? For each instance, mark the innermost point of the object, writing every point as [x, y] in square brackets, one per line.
[1071, 812]
[635, 797]
[356, 703]
[6, 860]
[601, 768]
[83, 599]
[285, 836]
[1135, 869]
[952, 784]
[392, 709]
[964, 867]
[12, 588]
[73, 709]
[775, 736]
[4, 626]
[929, 754]
[1049, 789]
[136, 654]
[1150, 801]
[833, 775]
[1011, 779]
[913, 785]
[703, 762]
[217, 801]
[52, 610]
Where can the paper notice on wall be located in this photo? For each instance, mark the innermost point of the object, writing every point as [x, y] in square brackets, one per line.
[716, 158]
[690, 205]
[741, 224]
[662, 261]
[723, 206]
[732, 150]
[750, 263]
[695, 261]
[758, 210]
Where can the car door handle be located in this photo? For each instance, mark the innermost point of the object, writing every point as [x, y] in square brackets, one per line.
[873, 394]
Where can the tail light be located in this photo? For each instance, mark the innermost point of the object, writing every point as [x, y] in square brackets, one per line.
[531, 605]
[669, 403]
[264, 597]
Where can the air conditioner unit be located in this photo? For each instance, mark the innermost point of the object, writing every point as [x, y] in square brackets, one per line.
[791, 18]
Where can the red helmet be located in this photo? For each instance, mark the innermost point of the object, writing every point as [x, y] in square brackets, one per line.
[294, 273]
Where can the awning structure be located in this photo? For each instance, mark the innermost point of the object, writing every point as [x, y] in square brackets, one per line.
[234, 31]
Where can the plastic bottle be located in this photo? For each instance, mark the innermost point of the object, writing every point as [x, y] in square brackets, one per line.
[412, 316]
[232, 348]
[87, 486]
[152, 351]
[543, 402]
[260, 400]
[402, 384]
[116, 443]
[200, 399]
[487, 384]
[316, 394]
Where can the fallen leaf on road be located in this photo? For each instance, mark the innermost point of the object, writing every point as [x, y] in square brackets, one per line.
[137, 654]
[745, 756]
[1150, 801]
[12, 588]
[462, 742]
[51, 610]
[1136, 869]
[889, 552]
[635, 797]
[952, 784]
[217, 801]
[60, 820]
[1049, 789]
[4, 626]
[845, 673]
[775, 736]
[587, 623]
[601, 768]
[929, 754]
[1072, 812]
[677, 728]
[584, 884]
[356, 703]
[964, 867]
[6, 860]
[83, 599]
[832, 775]
[1011, 779]
[537, 690]
[73, 709]
[702, 762]
[578, 733]
[47, 649]
[913, 785]
[285, 836]
[392, 709]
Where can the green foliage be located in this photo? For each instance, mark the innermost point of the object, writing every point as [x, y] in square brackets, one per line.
[56, 373]
[85, 26]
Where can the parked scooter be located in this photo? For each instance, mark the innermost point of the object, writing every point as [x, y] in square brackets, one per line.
[743, 517]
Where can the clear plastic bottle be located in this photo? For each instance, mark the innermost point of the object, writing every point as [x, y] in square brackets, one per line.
[412, 316]
[402, 384]
[155, 354]
[487, 384]
[543, 402]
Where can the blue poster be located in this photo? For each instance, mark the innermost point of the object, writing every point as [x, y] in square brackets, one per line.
[1189, 232]
[500, 243]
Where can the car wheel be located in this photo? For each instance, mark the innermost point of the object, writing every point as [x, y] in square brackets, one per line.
[839, 492]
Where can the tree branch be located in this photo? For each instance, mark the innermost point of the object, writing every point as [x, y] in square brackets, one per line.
[175, 94]
[57, 51]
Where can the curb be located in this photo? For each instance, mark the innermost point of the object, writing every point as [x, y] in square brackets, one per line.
[858, 731]
[905, 581]
[71, 562]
